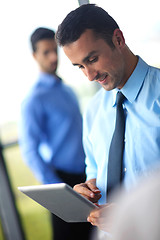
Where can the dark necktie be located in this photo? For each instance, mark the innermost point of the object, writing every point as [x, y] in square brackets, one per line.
[117, 146]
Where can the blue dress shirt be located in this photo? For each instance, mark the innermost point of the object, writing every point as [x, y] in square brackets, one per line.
[142, 133]
[51, 130]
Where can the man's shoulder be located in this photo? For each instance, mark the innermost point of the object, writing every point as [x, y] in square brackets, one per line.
[152, 80]
[31, 99]
[37, 91]
[154, 73]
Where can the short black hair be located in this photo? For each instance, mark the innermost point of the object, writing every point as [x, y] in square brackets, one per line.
[41, 34]
[87, 16]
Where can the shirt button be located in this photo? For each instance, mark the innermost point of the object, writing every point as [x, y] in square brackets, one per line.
[125, 169]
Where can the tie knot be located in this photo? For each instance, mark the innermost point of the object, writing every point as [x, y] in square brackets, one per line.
[120, 98]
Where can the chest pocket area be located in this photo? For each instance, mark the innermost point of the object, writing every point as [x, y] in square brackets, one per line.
[147, 146]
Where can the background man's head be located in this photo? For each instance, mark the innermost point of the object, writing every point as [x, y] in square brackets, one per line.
[44, 49]
[87, 16]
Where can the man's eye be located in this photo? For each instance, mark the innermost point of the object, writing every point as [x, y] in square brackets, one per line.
[80, 66]
[46, 53]
[92, 60]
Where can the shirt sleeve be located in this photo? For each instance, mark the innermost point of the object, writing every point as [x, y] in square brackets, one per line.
[30, 137]
[91, 166]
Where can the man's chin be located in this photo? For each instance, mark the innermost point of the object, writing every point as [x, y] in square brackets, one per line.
[107, 87]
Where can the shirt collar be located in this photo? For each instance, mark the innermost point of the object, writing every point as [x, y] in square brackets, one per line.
[48, 79]
[134, 83]
[114, 94]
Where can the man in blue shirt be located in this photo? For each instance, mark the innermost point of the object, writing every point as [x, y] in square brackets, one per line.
[51, 130]
[93, 41]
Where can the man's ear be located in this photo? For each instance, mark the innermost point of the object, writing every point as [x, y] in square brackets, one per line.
[34, 55]
[118, 38]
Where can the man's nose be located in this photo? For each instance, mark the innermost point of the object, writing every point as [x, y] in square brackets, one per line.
[90, 73]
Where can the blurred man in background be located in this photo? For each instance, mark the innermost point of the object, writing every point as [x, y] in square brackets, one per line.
[51, 130]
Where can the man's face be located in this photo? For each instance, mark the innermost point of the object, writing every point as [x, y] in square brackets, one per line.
[98, 61]
[46, 55]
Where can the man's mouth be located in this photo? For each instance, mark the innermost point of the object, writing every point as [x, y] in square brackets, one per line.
[102, 78]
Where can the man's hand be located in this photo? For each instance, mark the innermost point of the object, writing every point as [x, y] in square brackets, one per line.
[89, 190]
[102, 217]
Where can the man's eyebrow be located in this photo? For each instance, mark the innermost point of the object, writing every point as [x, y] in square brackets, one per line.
[76, 64]
[86, 58]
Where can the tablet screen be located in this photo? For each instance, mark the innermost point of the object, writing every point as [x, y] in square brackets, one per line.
[61, 200]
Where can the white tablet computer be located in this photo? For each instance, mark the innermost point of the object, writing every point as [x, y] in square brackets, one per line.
[61, 200]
